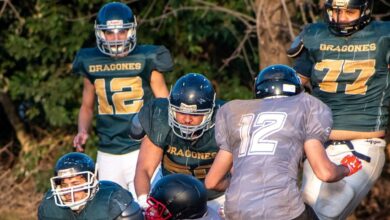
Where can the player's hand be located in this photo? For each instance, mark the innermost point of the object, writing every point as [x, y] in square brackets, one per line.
[352, 163]
[142, 202]
[79, 140]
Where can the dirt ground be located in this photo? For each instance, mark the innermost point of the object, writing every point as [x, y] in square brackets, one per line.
[19, 201]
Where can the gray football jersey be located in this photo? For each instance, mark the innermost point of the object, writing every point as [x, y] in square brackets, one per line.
[266, 138]
[211, 215]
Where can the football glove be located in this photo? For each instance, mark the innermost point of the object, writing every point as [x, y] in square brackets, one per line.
[142, 201]
[352, 163]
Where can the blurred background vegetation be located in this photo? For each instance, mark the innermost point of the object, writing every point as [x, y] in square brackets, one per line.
[228, 41]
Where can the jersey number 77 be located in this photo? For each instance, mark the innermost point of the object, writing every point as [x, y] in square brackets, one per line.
[337, 67]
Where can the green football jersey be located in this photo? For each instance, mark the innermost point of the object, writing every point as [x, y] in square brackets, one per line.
[180, 155]
[108, 203]
[349, 74]
[122, 87]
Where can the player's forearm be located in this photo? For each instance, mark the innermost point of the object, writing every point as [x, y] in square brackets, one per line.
[158, 85]
[222, 185]
[85, 119]
[334, 173]
[217, 182]
[142, 183]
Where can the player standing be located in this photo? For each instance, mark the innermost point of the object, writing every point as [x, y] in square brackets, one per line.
[122, 76]
[346, 62]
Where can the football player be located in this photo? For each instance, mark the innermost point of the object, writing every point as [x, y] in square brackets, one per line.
[346, 62]
[121, 75]
[179, 135]
[77, 194]
[264, 140]
[179, 196]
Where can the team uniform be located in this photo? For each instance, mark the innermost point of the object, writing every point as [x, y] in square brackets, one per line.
[180, 155]
[122, 87]
[266, 138]
[109, 202]
[350, 75]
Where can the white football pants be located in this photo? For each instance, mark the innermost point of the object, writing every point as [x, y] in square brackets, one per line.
[121, 169]
[339, 199]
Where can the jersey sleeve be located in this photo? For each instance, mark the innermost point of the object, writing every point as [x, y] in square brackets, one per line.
[221, 129]
[144, 115]
[77, 64]
[41, 211]
[153, 117]
[122, 203]
[162, 61]
[319, 120]
[303, 63]
[44, 205]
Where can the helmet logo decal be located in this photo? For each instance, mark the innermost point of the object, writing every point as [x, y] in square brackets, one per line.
[341, 3]
[289, 88]
[187, 108]
[115, 24]
[67, 172]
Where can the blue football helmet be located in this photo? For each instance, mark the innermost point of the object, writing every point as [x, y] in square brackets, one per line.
[346, 29]
[192, 94]
[177, 196]
[277, 81]
[114, 18]
[72, 165]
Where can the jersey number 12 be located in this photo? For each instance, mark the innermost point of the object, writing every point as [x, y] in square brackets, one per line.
[254, 131]
[124, 102]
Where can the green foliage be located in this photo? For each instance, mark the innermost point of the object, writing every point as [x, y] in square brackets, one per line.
[41, 38]
[200, 40]
[39, 52]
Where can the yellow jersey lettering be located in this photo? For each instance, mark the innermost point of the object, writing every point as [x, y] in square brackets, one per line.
[348, 48]
[92, 68]
[99, 68]
[180, 153]
[114, 67]
[373, 47]
[191, 154]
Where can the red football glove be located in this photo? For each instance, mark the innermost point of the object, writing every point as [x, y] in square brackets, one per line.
[352, 163]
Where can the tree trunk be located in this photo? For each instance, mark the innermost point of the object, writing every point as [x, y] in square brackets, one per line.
[23, 137]
[274, 32]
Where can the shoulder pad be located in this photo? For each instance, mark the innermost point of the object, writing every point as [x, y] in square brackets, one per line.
[163, 61]
[159, 56]
[121, 203]
[108, 183]
[136, 130]
[219, 103]
[131, 212]
[296, 47]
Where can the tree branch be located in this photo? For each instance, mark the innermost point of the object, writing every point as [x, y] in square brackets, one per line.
[13, 9]
[292, 36]
[236, 52]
